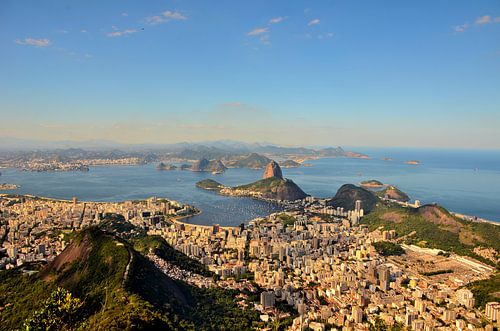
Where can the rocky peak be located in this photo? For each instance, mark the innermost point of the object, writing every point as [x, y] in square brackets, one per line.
[272, 170]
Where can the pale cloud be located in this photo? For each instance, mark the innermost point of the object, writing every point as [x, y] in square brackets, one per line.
[42, 42]
[461, 28]
[258, 31]
[165, 17]
[325, 35]
[276, 20]
[124, 14]
[315, 21]
[486, 19]
[482, 20]
[119, 33]
[83, 31]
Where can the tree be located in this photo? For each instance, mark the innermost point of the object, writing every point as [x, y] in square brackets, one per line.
[58, 310]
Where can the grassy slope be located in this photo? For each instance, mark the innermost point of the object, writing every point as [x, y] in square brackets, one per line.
[263, 185]
[147, 300]
[435, 235]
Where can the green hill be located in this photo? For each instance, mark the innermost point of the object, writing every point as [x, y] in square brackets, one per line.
[114, 286]
[392, 192]
[347, 195]
[434, 227]
[252, 161]
[209, 184]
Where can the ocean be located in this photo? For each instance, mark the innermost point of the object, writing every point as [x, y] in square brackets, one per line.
[462, 181]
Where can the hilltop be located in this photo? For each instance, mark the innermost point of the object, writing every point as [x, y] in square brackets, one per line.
[347, 195]
[112, 285]
[393, 193]
[272, 170]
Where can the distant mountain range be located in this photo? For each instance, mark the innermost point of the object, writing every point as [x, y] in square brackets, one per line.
[31, 155]
[189, 150]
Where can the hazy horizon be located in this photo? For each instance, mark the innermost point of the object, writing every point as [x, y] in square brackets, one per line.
[422, 74]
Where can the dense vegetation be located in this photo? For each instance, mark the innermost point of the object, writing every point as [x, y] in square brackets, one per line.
[209, 184]
[287, 220]
[347, 195]
[103, 282]
[434, 227]
[437, 272]
[486, 290]
[263, 185]
[387, 248]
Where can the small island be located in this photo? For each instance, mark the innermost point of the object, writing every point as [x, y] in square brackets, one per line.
[163, 166]
[6, 186]
[290, 164]
[412, 162]
[210, 184]
[372, 184]
[386, 158]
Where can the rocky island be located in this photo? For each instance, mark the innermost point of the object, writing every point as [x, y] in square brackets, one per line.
[6, 186]
[163, 166]
[271, 187]
[372, 184]
[412, 162]
[210, 184]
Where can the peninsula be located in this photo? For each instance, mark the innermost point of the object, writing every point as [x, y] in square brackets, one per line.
[271, 187]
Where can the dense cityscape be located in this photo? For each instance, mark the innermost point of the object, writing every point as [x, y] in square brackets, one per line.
[313, 264]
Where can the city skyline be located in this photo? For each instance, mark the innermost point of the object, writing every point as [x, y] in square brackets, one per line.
[301, 74]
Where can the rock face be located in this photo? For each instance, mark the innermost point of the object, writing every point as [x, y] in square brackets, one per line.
[272, 170]
[348, 194]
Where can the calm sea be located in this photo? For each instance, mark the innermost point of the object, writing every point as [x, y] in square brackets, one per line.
[462, 181]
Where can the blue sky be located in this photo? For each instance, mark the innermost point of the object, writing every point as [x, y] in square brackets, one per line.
[366, 73]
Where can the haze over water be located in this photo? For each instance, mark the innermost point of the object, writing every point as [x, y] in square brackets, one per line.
[462, 181]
